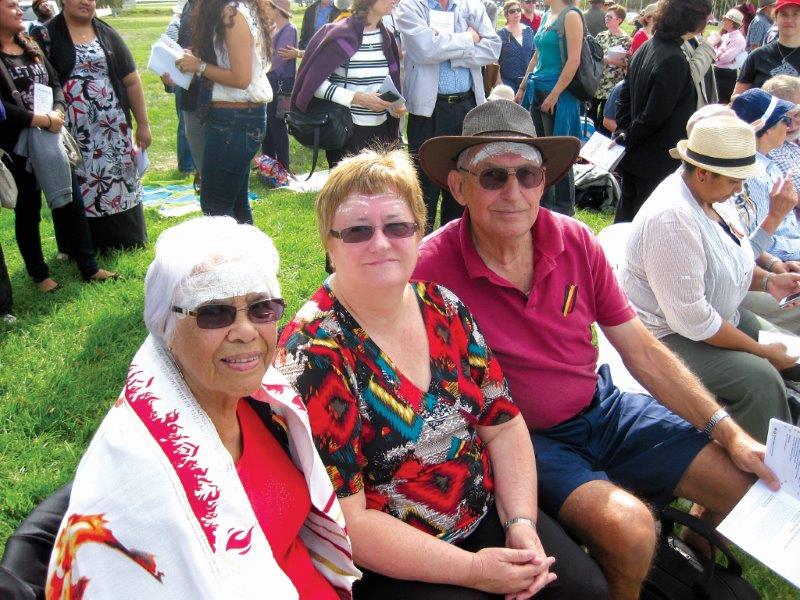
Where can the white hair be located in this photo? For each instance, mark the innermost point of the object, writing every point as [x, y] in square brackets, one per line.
[203, 259]
[474, 155]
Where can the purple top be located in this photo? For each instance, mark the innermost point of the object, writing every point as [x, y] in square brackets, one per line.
[282, 68]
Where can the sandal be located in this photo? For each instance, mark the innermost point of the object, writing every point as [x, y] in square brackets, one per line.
[48, 286]
[102, 276]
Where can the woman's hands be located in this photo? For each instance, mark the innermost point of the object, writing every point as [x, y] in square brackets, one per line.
[188, 63]
[780, 285]
[52, 121]
[505, 571]
[371, 101]
[523, 536]
[397, 111]
[777, 355]
[144, 137]
[548, 105]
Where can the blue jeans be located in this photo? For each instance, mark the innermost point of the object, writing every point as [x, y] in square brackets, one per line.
[185, 161]
[232, 137]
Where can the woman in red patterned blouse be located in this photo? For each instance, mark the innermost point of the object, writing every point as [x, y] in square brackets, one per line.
[430, 458]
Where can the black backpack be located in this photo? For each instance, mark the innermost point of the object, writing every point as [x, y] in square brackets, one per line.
[584, 85]
[680, 573]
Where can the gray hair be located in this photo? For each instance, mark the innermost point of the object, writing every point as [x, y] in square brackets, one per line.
[784, 87]
[203, 259]
[474, 155]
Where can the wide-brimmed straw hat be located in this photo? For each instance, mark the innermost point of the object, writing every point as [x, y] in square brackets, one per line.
[721, 144]
[497, 121]
[285, 6]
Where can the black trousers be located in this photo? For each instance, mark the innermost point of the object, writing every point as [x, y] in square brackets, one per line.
[6, 300]
[726, 81]
[578, 575]
[635, 190]
[447, 119]
[69, 221]
[596, 109]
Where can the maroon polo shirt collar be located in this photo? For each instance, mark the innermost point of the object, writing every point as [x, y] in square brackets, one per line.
[548, 243]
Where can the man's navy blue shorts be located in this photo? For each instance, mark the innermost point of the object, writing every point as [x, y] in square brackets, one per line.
[629, 439]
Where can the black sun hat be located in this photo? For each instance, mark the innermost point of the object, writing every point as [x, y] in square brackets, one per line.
[497, 121]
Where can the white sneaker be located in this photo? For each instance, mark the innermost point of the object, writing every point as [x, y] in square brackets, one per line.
[61, 257]
[9, 318]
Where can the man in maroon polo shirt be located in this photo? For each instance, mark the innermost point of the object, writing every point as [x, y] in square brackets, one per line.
[536, 282]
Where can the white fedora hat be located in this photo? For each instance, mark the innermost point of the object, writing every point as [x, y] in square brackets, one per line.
[721, 144]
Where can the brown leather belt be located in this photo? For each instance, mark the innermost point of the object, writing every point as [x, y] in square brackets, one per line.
[221, 104]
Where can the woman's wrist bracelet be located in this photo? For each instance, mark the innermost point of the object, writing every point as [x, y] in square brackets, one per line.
[771, 263]
[49, 122]
[765, 282]
[518, 521]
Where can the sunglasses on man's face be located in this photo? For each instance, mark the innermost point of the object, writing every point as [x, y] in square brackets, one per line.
[215, 316]
[363, 233]
[494, 178]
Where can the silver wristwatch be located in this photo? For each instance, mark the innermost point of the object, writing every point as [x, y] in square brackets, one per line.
[516, 520]
[201, 69]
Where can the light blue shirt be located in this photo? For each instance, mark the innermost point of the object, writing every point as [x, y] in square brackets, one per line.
[753, 206]
[451, 80]
[322, 16]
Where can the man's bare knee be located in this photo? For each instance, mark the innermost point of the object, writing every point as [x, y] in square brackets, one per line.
[611, 521]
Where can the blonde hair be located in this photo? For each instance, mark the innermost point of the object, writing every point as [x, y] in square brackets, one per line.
[784, 87]
[509, 4]
[370, 172]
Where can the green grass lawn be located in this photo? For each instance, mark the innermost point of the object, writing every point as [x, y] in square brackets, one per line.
[63, 363]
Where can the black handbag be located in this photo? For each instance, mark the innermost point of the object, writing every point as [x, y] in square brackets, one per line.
[679, 573]
[584, 84]
[323, 125]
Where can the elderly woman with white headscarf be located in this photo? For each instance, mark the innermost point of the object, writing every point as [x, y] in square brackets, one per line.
[202, 480]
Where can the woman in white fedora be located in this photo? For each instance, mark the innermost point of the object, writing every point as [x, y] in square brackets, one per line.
[690, 264]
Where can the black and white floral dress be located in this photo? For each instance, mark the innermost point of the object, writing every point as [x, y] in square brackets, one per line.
[108, 179]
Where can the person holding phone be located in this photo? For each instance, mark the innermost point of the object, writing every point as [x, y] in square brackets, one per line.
[346, 62]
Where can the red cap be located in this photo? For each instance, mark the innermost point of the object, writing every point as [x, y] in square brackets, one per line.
[784, 3]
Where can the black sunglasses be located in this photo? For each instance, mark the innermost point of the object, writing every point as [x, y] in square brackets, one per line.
[362, 233]
[215, 316]
[513, 11]
[495, 178]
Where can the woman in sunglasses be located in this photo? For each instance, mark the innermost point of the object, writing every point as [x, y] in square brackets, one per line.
[405, 399]
[517, 48]
[203, 480]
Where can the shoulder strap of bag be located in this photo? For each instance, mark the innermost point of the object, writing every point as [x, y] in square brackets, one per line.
[10, 83]
[561, 30]
[671, 515]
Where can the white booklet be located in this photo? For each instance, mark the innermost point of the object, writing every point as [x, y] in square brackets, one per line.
[389, 92]
[443, 22]
[792, 343]
[163, 54]
[42, 99]
[599, 151]
[766, 524]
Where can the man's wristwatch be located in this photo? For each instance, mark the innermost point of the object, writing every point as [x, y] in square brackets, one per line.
[712, 422]
[518, 520]
[201, 69]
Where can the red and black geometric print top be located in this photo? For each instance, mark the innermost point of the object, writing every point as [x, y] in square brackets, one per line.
[416, 454]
